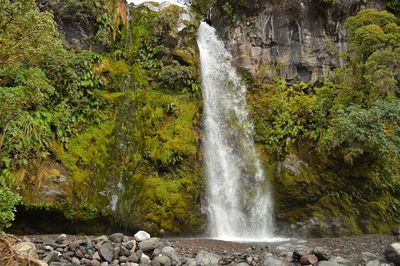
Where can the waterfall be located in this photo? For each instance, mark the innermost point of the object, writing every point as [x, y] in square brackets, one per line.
[238, 205]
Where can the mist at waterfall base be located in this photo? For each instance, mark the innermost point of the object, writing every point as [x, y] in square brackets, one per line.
[239, 204]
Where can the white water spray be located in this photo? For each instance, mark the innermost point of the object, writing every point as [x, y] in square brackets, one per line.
[239, 204]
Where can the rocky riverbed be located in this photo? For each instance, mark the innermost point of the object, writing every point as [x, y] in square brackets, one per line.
[142, 249]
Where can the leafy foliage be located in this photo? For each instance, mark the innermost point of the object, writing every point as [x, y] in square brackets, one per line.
[345, 133]
[8, 200]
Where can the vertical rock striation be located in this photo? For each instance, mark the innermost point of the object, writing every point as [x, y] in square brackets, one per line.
[301, 39]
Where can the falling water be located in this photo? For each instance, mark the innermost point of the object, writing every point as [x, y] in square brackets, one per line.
[239, 204]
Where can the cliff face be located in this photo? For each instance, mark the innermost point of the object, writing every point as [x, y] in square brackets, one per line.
[302, 39]
[87, 24]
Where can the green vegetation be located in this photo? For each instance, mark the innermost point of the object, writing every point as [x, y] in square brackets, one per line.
[121, 128]
[8, 200]
[129, 115]
[345, 133]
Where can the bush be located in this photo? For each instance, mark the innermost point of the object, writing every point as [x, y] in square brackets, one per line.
[8, 200]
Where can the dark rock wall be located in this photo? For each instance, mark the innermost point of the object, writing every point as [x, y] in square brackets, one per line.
[302, 39]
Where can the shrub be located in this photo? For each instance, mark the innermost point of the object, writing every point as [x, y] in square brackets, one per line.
[8, 200]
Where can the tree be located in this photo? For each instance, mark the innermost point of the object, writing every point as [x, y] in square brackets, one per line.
[26, 34]
[373, 59]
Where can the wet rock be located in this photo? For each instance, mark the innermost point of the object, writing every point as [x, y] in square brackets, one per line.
[309, 259]
[392, 253]
[26, 249]
[207, 258]
[149, 244]
[106, 251]
[142, 236]
[116, 238]
[321, 253]
[163, 260]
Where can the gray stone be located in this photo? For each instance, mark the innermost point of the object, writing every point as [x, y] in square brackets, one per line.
[88, 243]
[124, 252]
[373, 263]
[283, 250]
[328, 263]
[106, 251]
[207, 258]
[156, 252]
[133, 258]
[155, 263]
[76, 261]
[101, 239]
[170, 253]
[95, 263]
[273, 261]
[300, 251]
[131, 245]
[392, 253]
[321, 253]
[61, 238]
[116, 252]
[141, 236]
[104, 263]
[73, 245]
[60, 264]
[69, 254]
[150, 244]
[26, 249]
[123, 259]
[163, 260]
[85, 261]
[341, 261]
[53, 256]
[145, 260]
[116, 238]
